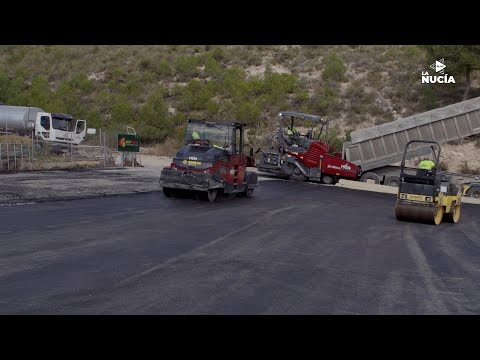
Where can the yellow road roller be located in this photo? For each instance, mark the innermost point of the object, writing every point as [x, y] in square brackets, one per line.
[426, 195]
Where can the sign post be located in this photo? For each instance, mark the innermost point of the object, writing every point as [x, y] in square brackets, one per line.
[128, 143]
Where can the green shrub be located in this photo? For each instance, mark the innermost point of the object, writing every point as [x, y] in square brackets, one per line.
[211, 109]
[39, 92]
[186, 67]
[394, 52]
[5, 88]
[428, 98]
[247, 112]
[153, 118]
[163, 69]
[375, 78]
[412, 51]
[212, 68]
[324, 102]
[81, 83]
[94, 119]
[348, 133]
[195, 96]
[178, 119]
[218, 54]
[301, 97]
[277, 86]
[332, 138]
[133, 88]
[145, 64]
[179, 132]
[232, 80]
[121, 111]
[335, 68]
[115, 74]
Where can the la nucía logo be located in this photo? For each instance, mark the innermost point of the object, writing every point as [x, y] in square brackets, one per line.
[439, 67]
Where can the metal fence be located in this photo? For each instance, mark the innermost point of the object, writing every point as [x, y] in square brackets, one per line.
[43, 155]
[15, 157]
[98, 150]
[107, 137]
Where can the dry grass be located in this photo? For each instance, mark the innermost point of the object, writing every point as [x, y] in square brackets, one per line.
[167, 148]
[14, 139]
[443, 166]
[465, 169]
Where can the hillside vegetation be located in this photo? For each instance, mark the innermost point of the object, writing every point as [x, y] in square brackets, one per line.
[156, 88]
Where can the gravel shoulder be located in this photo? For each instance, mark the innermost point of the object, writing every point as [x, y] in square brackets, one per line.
[40, 186]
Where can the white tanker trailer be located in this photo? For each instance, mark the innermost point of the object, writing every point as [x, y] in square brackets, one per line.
[50, 127]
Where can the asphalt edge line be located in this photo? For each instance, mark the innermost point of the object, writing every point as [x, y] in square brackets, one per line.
[358, 185]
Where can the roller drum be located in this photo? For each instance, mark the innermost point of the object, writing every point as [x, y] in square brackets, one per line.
[418, 213]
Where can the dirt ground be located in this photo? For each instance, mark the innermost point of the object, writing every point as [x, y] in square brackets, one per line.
[462, 157]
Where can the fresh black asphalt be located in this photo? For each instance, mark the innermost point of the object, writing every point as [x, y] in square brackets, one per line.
[293, 248]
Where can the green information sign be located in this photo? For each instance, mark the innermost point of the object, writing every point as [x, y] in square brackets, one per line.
[128, 142]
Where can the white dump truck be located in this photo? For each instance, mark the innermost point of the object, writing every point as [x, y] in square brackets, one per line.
[378, 150]
[49, 127]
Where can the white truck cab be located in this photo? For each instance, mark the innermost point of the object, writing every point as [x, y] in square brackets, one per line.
[60, 128]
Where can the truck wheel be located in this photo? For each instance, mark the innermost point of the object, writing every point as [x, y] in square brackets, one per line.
[327, 179]
[212, 195]
[297, 175]
[287, 170]
[474, 192]
[167, 192]
[392, 181]
[249, 192]
[176, 193]
[370, 176]
[251, 178]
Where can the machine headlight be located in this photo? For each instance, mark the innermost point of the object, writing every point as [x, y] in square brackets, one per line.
[428, 199]
[403, 196]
